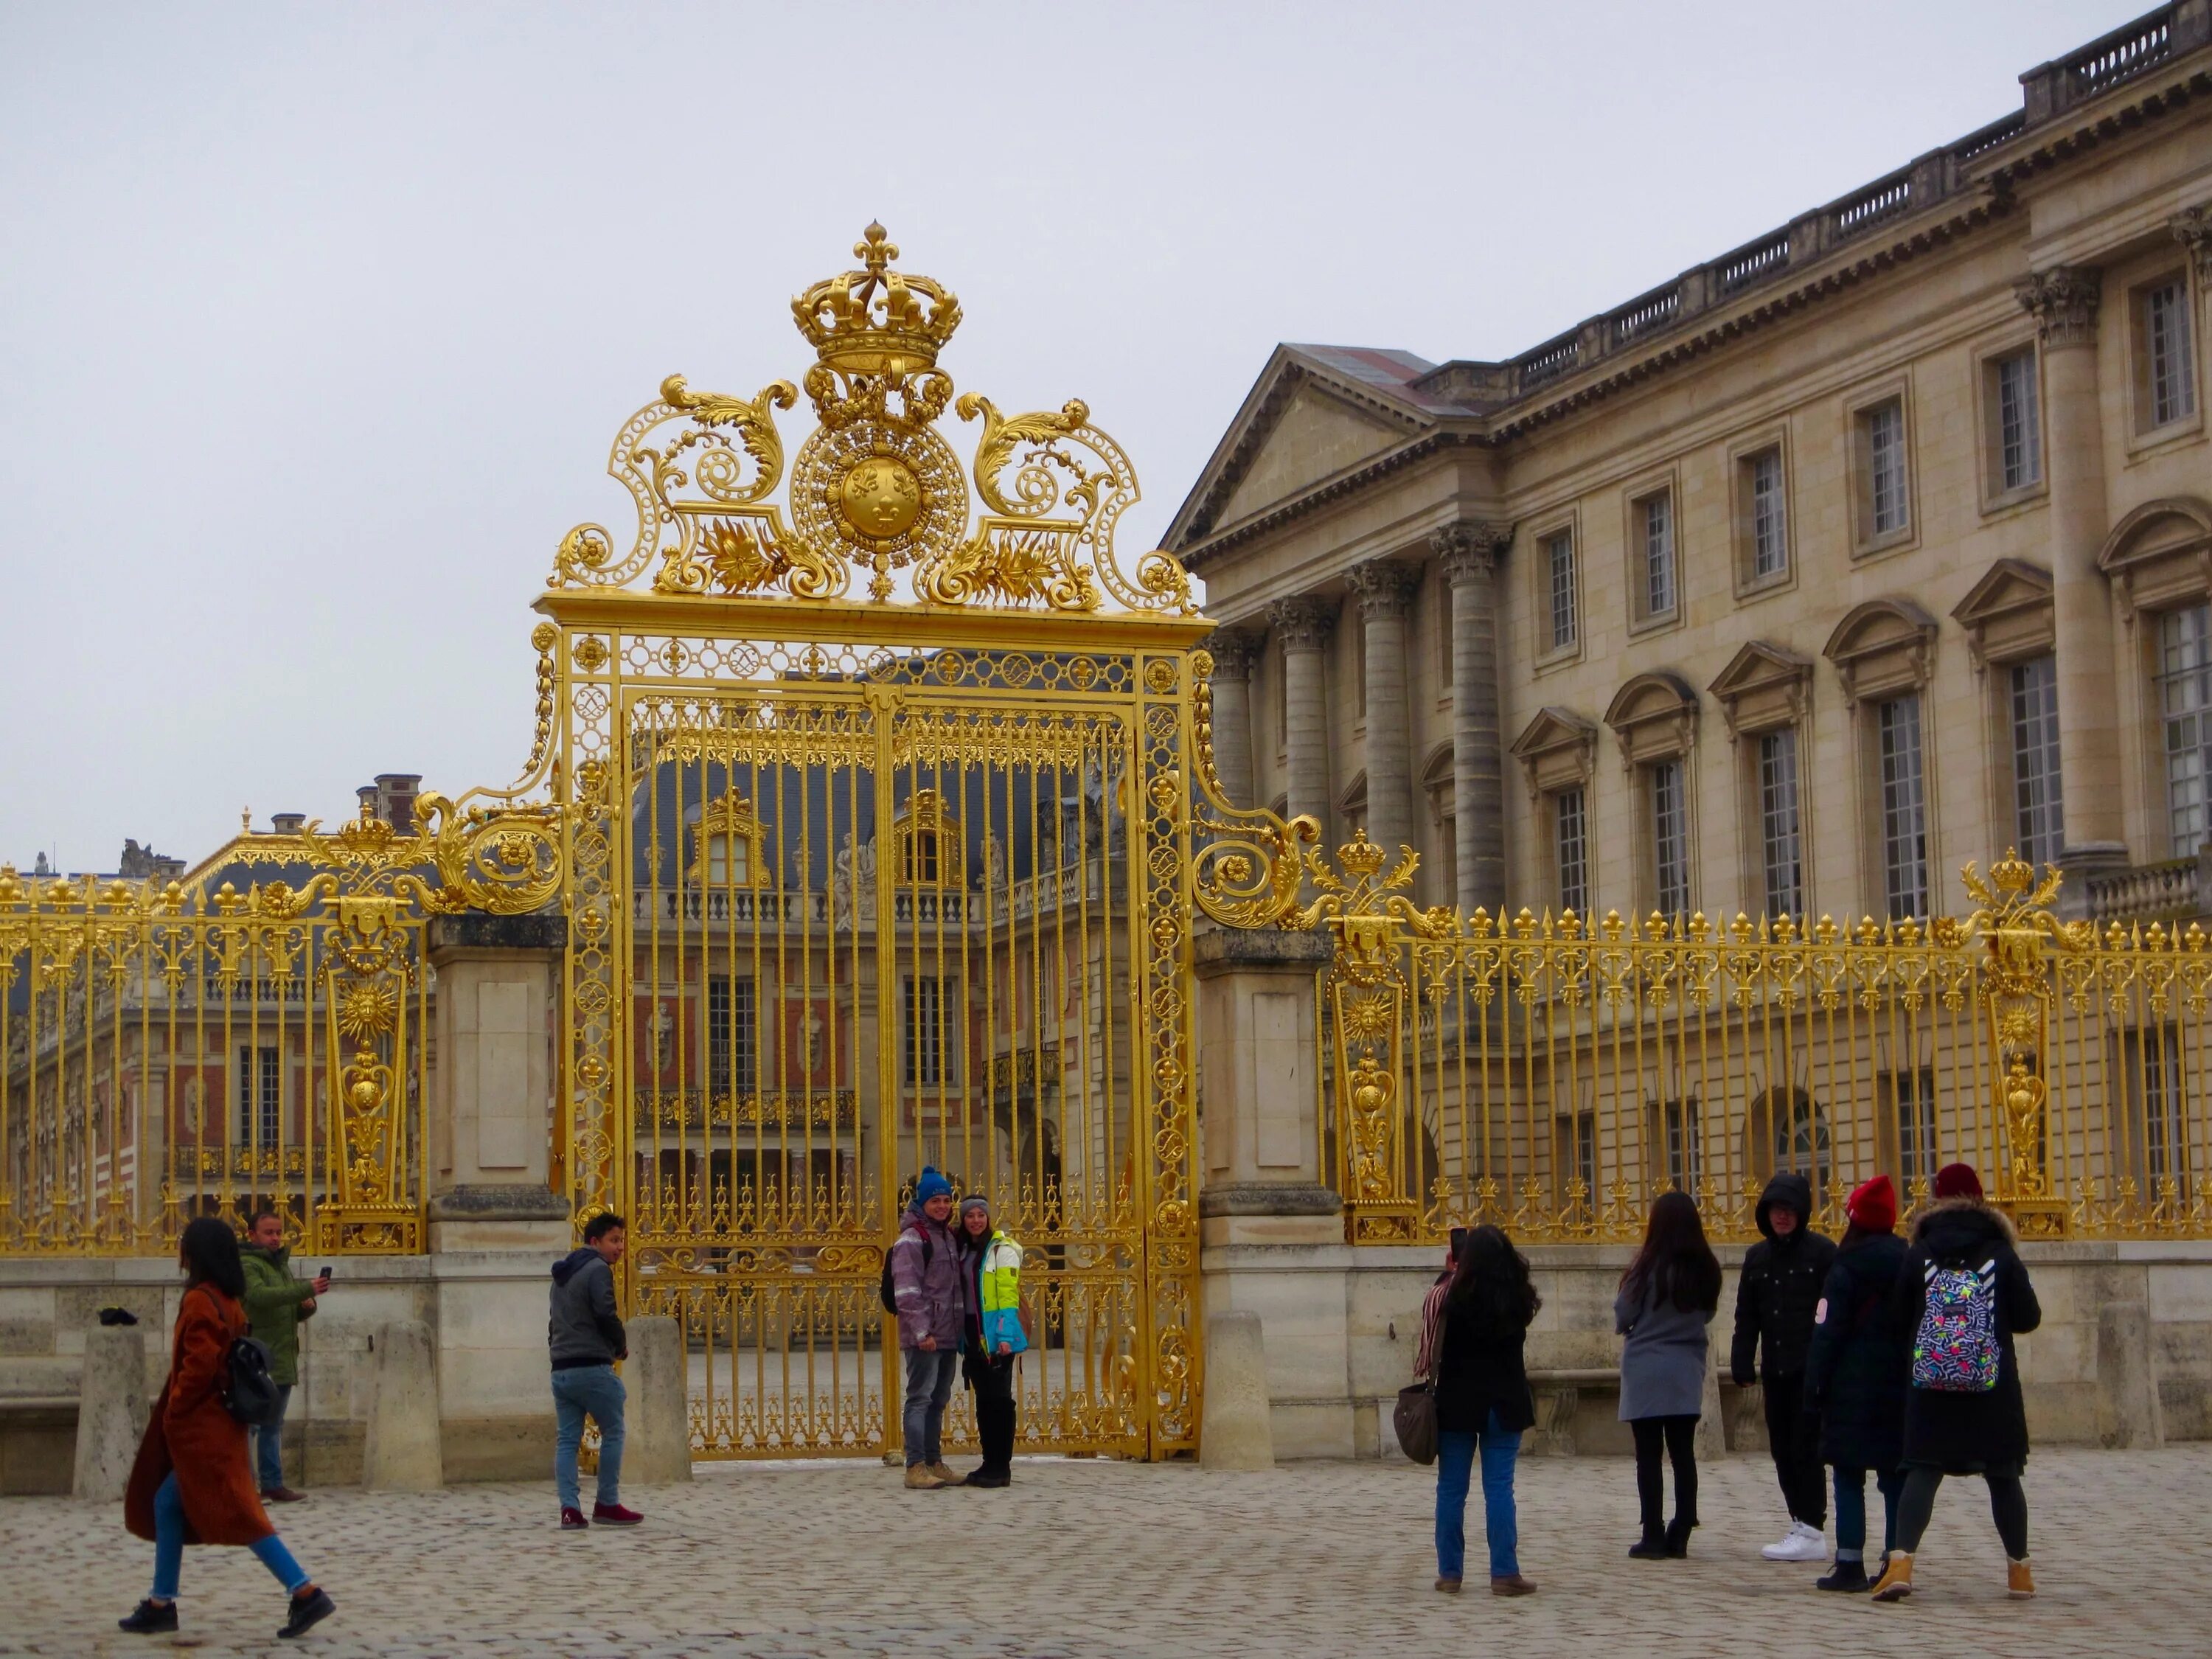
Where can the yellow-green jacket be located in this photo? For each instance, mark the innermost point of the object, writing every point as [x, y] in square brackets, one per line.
[999, 1294]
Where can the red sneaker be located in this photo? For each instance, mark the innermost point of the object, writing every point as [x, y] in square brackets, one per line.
[573, 1519]
[614, 1515]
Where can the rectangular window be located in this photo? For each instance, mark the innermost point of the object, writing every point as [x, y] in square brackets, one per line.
[1777, 819]
[2035, 773]
[1559, 556]
[1770, 544]
[1569, 854]
[1579, 1136]
[925, 1030]
[1670, 840]
[1884, 426]
[1678, 1120]
[732, 1024]
[1912, 1098]
[1443, 604]
[2019, 434]
[1657, 514]
[2155, 1082]
[2184, 687]
[2169, 358]
[260, 1096]
[1903, 808]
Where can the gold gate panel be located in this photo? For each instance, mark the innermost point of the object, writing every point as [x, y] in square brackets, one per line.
[879, 854]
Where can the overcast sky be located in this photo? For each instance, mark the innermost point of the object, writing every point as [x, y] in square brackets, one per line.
[316, 321]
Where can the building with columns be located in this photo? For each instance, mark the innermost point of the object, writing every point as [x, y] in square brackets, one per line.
[1875, 545]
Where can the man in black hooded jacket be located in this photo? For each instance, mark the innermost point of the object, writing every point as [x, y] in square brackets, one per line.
[1776, 1303]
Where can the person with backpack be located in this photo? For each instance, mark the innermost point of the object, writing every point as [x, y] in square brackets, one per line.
[1666, 1298]
[1775, 1300]
[192, 1482]
[1483, 1404]
[929, 1294]
[1962, 1297]
[585, 1336]
[275, 1304]
[994, 1341]
[1854, 1377]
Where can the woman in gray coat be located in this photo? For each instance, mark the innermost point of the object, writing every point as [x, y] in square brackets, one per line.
[1666, 1298]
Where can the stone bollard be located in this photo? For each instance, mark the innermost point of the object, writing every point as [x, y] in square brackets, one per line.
[1233, 1430]
[657, 1447]
[402, 1453]
[1709, 1441]
[111, 1412]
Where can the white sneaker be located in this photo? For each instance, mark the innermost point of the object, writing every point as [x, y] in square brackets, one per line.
[1800, 1543]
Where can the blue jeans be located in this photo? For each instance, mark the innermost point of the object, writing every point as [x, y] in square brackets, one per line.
[592, 1391]
[169, 1547]
[269, 1443]
[1455, 1450]
[929, 1374]
[1850, 1510]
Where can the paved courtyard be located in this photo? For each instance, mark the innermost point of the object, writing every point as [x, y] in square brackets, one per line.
[1095, 1560]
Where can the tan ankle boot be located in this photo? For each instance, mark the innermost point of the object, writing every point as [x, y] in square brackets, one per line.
[1896, 1581]
[2020, 1581]
[946, 1475]
[919, 1479]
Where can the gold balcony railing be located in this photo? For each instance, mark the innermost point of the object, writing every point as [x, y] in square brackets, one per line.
[1553, 1075]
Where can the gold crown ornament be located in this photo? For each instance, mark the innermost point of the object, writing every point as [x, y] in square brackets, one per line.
[877, 320]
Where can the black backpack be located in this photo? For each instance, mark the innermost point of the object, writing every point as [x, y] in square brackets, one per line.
[889, 1296]
[249, 1393]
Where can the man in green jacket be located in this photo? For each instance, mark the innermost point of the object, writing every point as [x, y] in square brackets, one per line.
[275, 1302]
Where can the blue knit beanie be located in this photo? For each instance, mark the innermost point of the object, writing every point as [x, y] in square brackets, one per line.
[931, 1185]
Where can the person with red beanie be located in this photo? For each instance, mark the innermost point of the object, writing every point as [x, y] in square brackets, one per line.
[1962, 1297]
[1854, 1377]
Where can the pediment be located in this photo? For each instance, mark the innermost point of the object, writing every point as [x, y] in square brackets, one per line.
[1555, 748]
[1763, 687]
[2160, 555]
[1660, 694]
[2007, 613]
[1315, 436]
[1883, 648]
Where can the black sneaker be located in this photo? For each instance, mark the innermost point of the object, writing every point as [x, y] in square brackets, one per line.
[990, 1477]
[150, 1618]
[307, 1611]
[1845, 1576]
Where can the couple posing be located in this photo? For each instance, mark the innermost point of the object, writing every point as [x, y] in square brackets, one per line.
[957, 1289]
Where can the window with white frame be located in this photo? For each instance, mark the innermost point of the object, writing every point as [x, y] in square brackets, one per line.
[2185, 690]
[2168, 351]
[1670, 838]
[732, 1024]
[1678, 1122]
[1904, 807]
[1560, 563]
[925, 1030]
[1581, 1131]
[1769, 522]
[1779, 836]
[2035, 776]
[1912, 1102]
[2155, 1082]
[260, 1096]
[1655, 525]
[1570, 852]
[1882, 437]
[2017, 442]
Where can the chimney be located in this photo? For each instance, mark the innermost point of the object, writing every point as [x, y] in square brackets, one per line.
[395, 799]
[287, 824]
[367, 796]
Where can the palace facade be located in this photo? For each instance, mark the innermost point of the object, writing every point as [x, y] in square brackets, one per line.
[1879, 543]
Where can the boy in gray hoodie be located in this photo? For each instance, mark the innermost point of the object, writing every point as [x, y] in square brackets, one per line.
[585, 1333]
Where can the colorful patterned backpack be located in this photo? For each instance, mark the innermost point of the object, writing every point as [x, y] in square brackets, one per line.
[1956, 1349]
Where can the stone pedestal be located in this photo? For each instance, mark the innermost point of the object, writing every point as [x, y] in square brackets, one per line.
[404, 1451]
[658, 1419]
[1233, 1428]
[111, 1413]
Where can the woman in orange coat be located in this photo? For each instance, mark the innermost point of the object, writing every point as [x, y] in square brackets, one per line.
[193, 1483]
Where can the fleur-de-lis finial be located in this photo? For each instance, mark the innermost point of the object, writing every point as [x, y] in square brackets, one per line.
[874, 250]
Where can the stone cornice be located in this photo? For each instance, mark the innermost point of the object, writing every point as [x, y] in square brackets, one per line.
[2063, 301]
[1304, 622]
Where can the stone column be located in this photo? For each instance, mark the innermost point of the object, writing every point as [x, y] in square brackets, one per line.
[1385, 587]
[1303, 625]
[2064, 302]
[1234, 652]
[1468, 554]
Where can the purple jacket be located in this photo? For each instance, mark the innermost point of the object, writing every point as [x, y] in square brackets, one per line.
[932, 1300]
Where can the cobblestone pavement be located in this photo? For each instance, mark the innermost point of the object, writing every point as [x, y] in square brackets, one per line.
[1096, 1560]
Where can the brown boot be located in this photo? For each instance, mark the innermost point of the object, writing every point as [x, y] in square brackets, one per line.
[919, 1479]
[1448, 1585]
[283, 1495]
[1896, 1581]
[2020, 1582]
[1511, 1584]
[947, 1476]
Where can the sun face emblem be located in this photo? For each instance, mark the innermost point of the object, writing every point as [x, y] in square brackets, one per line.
[880, 497]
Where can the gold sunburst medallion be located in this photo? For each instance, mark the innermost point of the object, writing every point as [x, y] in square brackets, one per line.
[880, 498]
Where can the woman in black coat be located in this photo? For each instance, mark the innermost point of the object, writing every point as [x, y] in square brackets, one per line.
[1855, 1377]
[1483, 1403]
[1958, 1431]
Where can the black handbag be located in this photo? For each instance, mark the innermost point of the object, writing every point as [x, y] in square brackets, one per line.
[1415, 1420]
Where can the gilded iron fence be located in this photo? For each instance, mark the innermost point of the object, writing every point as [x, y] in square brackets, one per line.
[174, 1049]
[1553, 1075]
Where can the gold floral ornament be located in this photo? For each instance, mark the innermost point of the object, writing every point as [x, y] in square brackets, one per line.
[874, 488]
[1249, 864]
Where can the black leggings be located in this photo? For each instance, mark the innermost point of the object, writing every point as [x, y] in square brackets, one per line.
[1677, 1434]
[1916, 1503]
